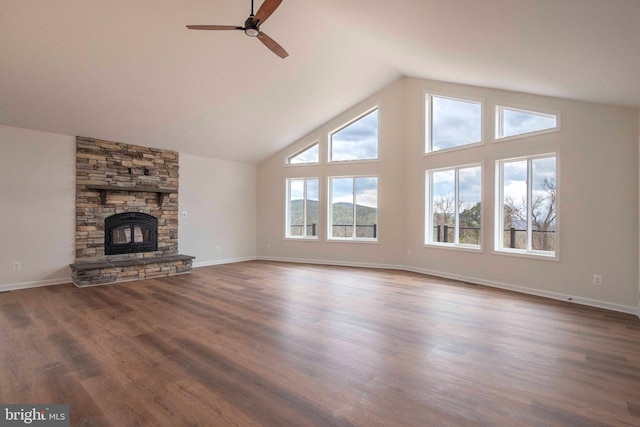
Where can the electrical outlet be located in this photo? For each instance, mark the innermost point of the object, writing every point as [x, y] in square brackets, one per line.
[597, 279]
[17, 265]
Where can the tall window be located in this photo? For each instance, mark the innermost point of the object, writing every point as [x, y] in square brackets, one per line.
[302, 208]
[511, 122]
[452, 123]
[353, 209]
[527, 205]
[358, 140]
[454, 206]
[310, 154]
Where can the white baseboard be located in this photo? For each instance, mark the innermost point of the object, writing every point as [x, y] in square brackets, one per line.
[530, 291]
[36, 284]
[338, 263]
[222, 261]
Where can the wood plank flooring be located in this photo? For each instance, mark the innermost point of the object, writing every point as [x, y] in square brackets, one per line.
[275, 344]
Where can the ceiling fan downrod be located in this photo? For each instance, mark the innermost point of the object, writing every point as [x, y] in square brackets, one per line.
[251, 26]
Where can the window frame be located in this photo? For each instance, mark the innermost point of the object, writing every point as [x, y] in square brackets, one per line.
[499, 209]
[287, 227]
[428, 217]
[499, 121]
[287, 159]
[428, 120]
[344, 126]
[354, 190]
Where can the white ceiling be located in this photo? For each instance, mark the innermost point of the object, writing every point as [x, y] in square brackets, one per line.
[130, 71]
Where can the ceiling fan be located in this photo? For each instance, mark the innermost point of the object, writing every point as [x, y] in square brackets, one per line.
[252, 26]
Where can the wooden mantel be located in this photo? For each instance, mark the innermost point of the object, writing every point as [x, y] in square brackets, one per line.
[104, 189]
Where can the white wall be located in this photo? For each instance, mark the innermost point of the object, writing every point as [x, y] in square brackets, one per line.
[271, 196]
[598, 207]
[37, 207]
[219, 199]
[598, 197]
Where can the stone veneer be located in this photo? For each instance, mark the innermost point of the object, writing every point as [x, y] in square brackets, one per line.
[131, 167]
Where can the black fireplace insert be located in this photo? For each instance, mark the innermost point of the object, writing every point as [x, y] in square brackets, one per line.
[130, 232]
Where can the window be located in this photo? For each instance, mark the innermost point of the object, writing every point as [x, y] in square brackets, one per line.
[452, 123]
[527, 205]
[302, 208]
[309, 154]
[353, 211]
[515, 122]
[454, 206]
[357, 140]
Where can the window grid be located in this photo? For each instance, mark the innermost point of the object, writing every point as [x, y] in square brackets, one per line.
[528, 247]
[305, 233]
[430, 238]
[368, 232]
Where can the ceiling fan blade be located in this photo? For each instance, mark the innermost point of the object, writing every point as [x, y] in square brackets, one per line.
[265, 11]
[272, 45]
[213, 27]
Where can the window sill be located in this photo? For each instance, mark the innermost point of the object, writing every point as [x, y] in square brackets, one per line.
[350, 162]
[544, 256]
[453, 149]
[464, 248]
[351, 240]
[525, 135]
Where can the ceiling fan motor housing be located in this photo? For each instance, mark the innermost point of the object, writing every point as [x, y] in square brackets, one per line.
[251, 28]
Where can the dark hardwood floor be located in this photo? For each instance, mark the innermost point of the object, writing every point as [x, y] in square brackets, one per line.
[274, 344]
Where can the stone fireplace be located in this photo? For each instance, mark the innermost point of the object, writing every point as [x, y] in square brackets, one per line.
[126, 213]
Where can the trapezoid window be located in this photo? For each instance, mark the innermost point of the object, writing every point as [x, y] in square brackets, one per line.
[357, 140]
[451, 123]
[514, 122]
[310, 154]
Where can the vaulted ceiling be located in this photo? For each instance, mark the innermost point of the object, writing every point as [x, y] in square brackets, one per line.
[130, 71]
